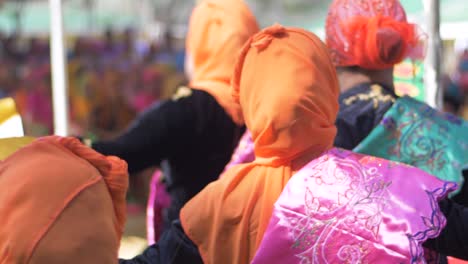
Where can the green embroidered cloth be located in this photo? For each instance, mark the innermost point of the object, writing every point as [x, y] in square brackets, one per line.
[416, 134]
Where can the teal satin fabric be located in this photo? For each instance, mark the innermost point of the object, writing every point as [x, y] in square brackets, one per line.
[416, 134]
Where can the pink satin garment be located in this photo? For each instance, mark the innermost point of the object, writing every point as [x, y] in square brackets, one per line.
[158, 200]
[244, 152]
[345, 207]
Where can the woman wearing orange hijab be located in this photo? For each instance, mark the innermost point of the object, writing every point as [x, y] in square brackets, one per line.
[286, 85]
[61, 202]
[228, 218]
[193, 135]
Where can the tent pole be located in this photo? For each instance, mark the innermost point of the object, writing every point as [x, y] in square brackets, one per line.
[432, 75]
[59, 75]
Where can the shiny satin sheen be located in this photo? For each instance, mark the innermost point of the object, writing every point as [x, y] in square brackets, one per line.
[414, 133]
[345, 207]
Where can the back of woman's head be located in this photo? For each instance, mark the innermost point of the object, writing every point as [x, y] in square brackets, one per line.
[217, 31]
[287, 88]
[370, 34]
[61, 202]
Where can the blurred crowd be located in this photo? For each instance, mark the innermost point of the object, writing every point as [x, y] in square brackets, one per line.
[111, 78]
[455, 86]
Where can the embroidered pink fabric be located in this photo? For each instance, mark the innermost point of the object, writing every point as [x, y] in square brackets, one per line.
[345, 207]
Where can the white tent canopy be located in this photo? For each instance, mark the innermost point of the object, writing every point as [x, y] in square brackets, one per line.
[91, 16]
[153, 15]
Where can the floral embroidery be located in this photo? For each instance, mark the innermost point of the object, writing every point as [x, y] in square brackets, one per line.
[434, 225]
[416, 134]
[360, 196]
[344, 207]
[415, 144]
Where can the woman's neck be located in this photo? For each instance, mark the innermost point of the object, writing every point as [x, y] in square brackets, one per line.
[351, 78]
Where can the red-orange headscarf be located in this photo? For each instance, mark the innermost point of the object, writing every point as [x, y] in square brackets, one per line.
[217, 32]
[371, 34]
[61, 202]
[287, 87]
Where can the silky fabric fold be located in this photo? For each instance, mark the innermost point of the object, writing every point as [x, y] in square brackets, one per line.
[345, 207]
[286, 85]
[61, 202]
[217, 32]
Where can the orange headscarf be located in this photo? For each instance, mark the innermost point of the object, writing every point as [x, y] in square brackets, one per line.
[218, 29]
[370, 34]
[61, 202]
[287, 87]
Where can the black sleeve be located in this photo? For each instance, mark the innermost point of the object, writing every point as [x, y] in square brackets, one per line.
[173, 247]
[158, 133]
[462, 197]
[453, 240]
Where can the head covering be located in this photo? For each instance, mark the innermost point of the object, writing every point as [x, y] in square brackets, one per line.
[61, 202]
[370, 34]
[218, 29]
[287, 87]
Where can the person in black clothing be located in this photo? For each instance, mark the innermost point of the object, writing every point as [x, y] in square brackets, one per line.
[176, 247]
[367, 95]
[193, 135]
[365, 98]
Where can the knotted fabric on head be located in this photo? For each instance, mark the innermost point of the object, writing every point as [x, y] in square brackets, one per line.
[61, 202]
[218, 30]
[286, 85]
[371, 34]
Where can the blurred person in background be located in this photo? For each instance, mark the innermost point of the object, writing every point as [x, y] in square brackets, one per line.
[196, 131]
[460, 77]
[111, 111]
[149, 91]
[452, 96]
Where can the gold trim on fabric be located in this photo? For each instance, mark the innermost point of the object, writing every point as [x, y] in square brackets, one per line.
[375, 94]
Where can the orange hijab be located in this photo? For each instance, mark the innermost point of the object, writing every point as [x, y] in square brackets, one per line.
[61, 202]
[287, 87]
[218, 29]
[370, 34]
